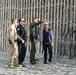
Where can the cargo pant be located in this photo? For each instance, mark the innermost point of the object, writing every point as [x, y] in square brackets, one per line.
[13, 55]
[32, 52]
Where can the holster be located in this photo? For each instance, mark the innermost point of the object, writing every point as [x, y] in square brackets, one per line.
[31, 38]
[36, 37]
[10, 42]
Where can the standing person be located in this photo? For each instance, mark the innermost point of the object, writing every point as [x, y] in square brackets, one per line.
[33, 38]
[12, 37]
[47, 40]
[21, 44]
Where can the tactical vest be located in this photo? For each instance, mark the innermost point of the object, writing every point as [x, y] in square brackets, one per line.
[46, 36]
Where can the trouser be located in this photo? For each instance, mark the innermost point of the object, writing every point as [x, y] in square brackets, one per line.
[22, 53]
[13, 55]
[32, 52]
[49, 47]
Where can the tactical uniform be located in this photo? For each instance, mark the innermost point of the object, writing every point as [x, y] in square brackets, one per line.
[21, 47]
[12, 36]
[33, 37]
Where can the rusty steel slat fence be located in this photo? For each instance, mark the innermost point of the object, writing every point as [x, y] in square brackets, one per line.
[61, 15]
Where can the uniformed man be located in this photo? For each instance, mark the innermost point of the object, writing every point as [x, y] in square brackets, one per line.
[33, 38]
[12, 36]
[47, 41]
[21, 44]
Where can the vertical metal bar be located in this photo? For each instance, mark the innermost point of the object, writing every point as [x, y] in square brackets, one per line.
[34, 9]
[2, 25]
[21, 8]
[48, 10]
[59, 39]
[57, 22]
[63, 26]
[54, 22]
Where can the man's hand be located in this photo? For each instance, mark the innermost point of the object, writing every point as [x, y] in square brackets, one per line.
[44, 20]
[38, 19]
[52, 44]
[14, 46]
[23, 41]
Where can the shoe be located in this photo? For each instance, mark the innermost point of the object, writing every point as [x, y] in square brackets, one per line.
[49, 61]
[45, 63]
[12, 67]
[33, 63]
[36, 59]
[21, 65]
[16, 65]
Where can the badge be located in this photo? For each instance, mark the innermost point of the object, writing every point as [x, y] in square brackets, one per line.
[18, 29]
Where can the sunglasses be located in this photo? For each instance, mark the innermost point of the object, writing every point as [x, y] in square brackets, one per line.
[22, 21]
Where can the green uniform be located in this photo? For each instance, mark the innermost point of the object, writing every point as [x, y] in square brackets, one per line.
[33, 37]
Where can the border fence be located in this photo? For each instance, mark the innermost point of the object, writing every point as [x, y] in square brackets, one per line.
[61, 15]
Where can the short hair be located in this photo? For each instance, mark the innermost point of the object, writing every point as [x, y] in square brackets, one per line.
[19, 20]
[46, 24]
[13, 19]
[35, 18]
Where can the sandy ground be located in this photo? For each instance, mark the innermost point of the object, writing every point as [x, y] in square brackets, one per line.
[59, 66]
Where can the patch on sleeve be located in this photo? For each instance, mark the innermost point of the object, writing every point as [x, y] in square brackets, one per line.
[18, 29]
